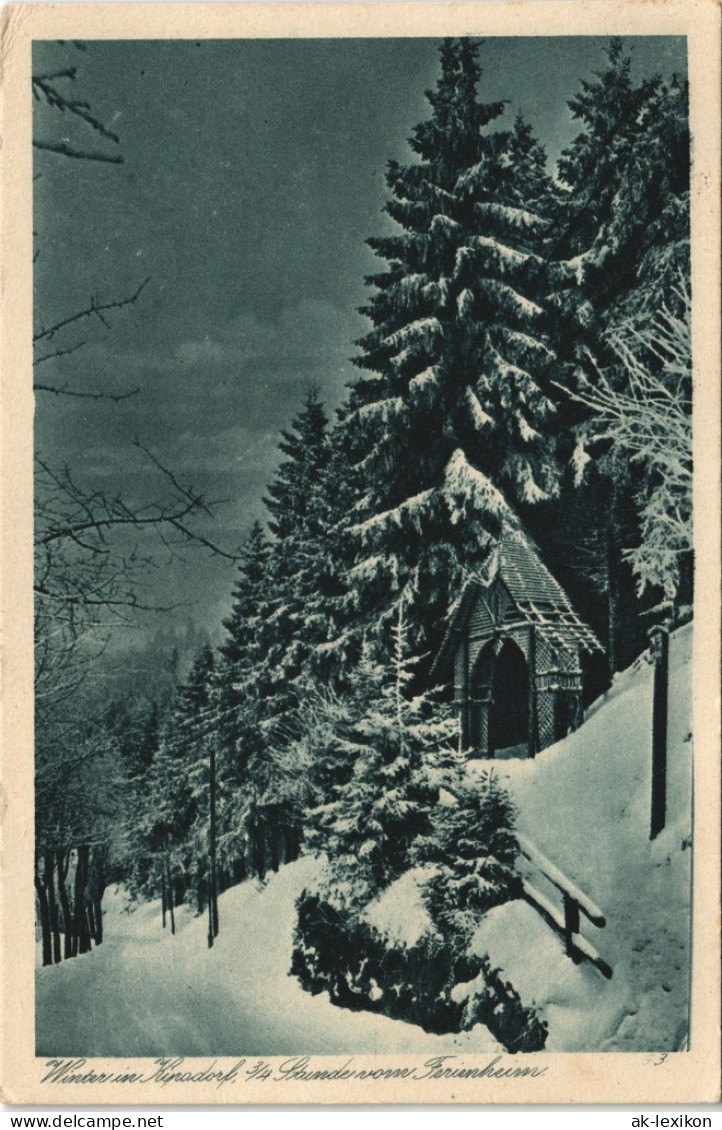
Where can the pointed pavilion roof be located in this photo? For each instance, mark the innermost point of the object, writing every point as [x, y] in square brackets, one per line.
[536, 595]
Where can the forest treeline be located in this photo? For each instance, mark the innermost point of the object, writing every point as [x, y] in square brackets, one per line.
[527, 361]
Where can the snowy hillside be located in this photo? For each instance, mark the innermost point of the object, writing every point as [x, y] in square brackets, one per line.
[584, 802]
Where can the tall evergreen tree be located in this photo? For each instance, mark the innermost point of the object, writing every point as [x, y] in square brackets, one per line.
[330, 608]
[242, 653]
[623, 222]
[295, 523]
[305, 449]
[242, 695]
[620, 249]
[272, 632]
[449, 423]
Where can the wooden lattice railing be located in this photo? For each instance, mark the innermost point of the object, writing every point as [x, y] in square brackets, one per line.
[566, 921]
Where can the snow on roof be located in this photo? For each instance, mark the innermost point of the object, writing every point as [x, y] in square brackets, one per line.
[525, 575]
[536, 593]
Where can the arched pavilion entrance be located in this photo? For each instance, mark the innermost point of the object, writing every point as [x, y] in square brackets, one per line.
[499, 716]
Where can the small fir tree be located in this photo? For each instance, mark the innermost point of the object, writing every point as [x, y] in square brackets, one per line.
[382, 802]
[472, 847]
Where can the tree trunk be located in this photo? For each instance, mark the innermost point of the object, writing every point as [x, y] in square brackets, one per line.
[273, 849]
[49, 867]
[44, 918]
[97, 888]
[211, 935]
[168, 886]
[90, 912]
[98, 915]
[79, 909]
[63, 863]
[162, 897]
[212, 878]
[659, 732]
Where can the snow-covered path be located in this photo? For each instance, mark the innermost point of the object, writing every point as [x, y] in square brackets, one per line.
[145, 993]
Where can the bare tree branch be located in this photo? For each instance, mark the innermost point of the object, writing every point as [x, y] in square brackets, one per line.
[43, 90]
[127, 518]
[37, 80]
[194, 536]
[95, 309]
[63, 390]
[80, 154]
[169, 475]
[648, 416]
[57, 353]
[107, 602]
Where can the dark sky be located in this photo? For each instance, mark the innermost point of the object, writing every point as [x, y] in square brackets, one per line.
[253, 173]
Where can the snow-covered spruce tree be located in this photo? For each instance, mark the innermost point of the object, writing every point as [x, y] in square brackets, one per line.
[390, 743]
[623, 222]
[297, 526]
[621, 240]
[328, 715]
[330, 622]
[294, 627]
[250, 834]
[243, 646]
[275, 624]
[472, 846]
[450, 419]
[241, 692]
[157, 833]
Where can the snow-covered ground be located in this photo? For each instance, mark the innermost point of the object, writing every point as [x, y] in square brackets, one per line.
[584, 803]
[146, 993]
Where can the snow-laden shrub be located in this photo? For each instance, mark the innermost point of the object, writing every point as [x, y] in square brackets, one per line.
[337, 952]
[497, 1004]
[473, 849]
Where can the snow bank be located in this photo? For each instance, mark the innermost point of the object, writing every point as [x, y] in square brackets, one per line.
[578, 1004]
[585, 803]
[399, 913]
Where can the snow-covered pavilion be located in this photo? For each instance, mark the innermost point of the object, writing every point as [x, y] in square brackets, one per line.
[514, 644]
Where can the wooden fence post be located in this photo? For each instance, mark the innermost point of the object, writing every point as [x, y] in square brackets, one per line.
[571, 926]
[659, 635]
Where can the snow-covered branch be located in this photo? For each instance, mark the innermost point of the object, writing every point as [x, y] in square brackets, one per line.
[648, 416]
